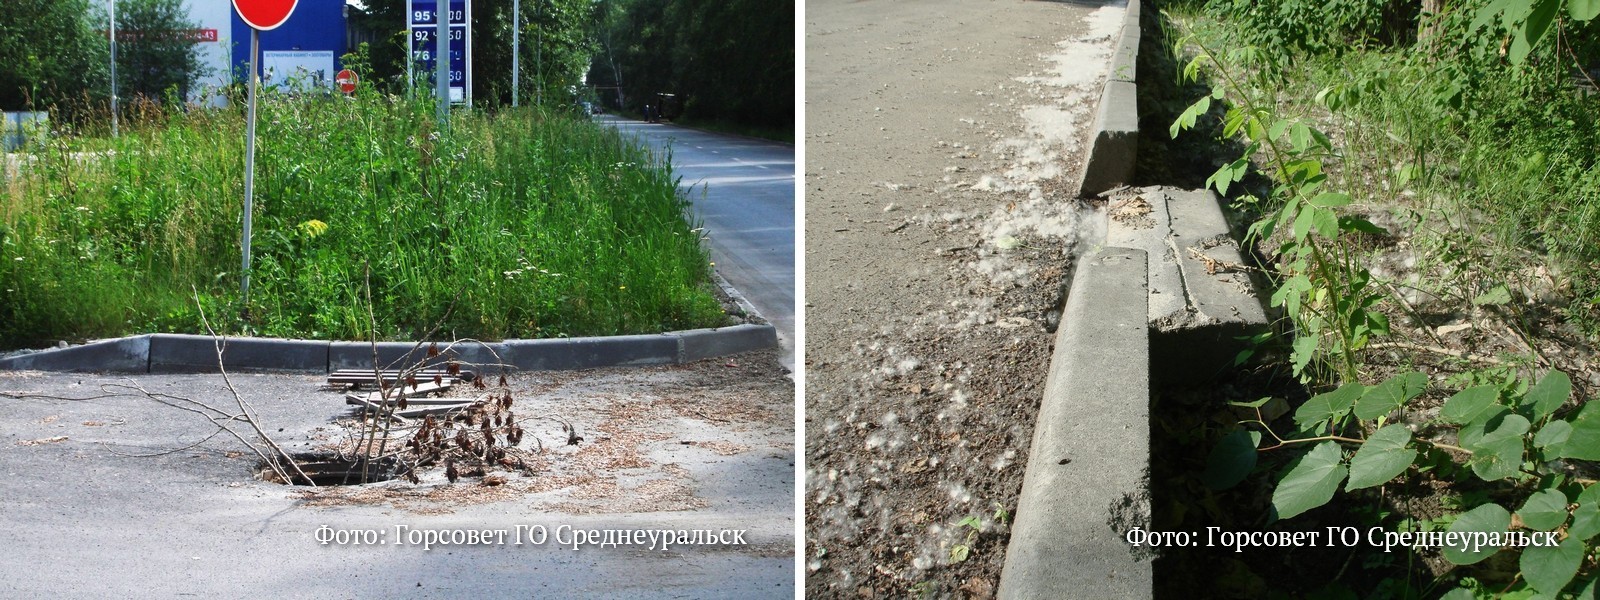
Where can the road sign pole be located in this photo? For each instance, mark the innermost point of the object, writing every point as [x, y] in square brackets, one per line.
[250, 160]
[113, 68]
[516, 46]
[441, 60]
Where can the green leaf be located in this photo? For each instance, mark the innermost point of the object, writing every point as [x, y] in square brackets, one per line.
[1254, 130]
[1325, 222]
[1550, 568]
[1232, 122]
[1498, 454]
[1588, 591]
[1497, 296]
[1544, 510]
[1407, 174]
[1549, 394]
[971, 521]
[1393, 393]
[1552, 438]
[1303, 223]
[1583, 10]
[1459, 594]
[1381, 458]
[1488, 14]
[1331, 200]
[1472, 432]
[1300, 136]
[1311, 482]
[1305, 347]
[1586, 517]
[1231, 460]
[1255, 404]
[1353, 223]
[1544, 12]
[1378, 323]
[1469, 404]
[1277, 128]
[1584, 443]
[1326, 406]
[1520, 48]
[1489, 518]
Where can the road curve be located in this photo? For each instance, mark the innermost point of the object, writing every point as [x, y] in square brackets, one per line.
[742, 190]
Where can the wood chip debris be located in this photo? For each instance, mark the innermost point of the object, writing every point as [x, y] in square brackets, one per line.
[43, 441]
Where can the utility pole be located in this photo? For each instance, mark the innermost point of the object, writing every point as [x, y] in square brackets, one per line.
[516, 47]
[113, 68]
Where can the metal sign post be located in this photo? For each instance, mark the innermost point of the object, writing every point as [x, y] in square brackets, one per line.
[250, 161]
[113, 68]
[259, 15]
[516, 46]
[441, 65]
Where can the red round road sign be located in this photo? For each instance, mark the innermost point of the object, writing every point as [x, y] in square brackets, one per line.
[264, 14]
[347, 81]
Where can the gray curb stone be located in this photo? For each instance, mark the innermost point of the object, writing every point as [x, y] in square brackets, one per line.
[1086, 482]
[1114, 137]
[196, 353]
[707, 343]
[159, 353]
[125, 355]
[583, 353]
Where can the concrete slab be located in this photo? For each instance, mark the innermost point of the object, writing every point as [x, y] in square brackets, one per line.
[1202, 299]
[198, 354]
[1087, 478]
[121, 355]
[588, 353]
[699, 344]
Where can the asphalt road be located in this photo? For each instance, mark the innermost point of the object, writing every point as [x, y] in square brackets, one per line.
[742, 189]
[107, 498]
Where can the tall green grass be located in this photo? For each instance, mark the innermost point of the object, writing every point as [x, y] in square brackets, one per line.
[516, 224]
[1506, 154]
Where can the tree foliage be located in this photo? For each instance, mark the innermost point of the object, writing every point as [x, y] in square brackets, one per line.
[49, 52]
[730, 60]
[154, 53]
[555, 47]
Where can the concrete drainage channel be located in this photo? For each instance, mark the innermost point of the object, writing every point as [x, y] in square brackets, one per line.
[1161, 301]
[159, 353]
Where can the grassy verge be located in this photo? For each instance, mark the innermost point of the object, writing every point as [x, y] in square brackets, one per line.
[519, 224]
[1426, 213]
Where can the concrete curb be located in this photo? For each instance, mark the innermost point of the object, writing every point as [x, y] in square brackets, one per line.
[1201, 303]
[169, 353]
[1086, 480]
[1114, 138]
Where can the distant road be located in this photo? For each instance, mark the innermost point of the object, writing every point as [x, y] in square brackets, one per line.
[743, 190]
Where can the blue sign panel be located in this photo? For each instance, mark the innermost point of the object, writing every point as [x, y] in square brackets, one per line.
[423, 28]
[300, 48]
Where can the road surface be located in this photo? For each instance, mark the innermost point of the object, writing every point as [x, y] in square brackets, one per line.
[106, 496]
[942, 143]
[743, 191]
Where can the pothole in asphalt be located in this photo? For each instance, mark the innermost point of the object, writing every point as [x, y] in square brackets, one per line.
[329, 468]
